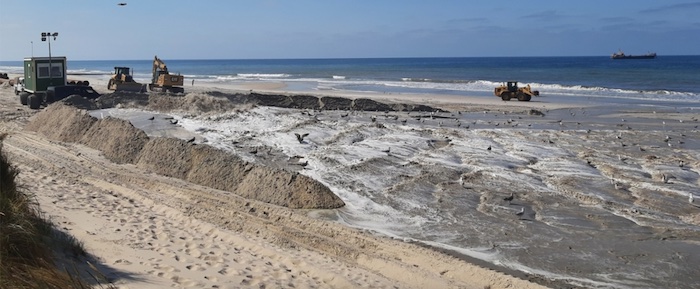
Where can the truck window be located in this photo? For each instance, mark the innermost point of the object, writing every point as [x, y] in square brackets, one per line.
[43, 70]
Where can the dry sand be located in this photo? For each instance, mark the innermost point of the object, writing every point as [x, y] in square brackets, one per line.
[150, 230]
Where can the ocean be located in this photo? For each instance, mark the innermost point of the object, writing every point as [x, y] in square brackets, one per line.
[666, 78]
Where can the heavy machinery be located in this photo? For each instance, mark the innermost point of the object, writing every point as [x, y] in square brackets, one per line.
[45, 82]
[122, 80]
[163, 81]
[511, 90]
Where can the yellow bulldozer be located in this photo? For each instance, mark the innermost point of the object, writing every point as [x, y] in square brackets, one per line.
[163, 81]
[122, 80]
[511, 90]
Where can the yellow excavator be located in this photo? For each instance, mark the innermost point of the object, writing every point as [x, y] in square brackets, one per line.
[163, 81]
[122, 80]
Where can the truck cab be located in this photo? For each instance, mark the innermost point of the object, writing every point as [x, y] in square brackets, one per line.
[19, 86]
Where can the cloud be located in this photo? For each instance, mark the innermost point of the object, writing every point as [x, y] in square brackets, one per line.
[617, 19]
[674, 7]
[461, 21]
[544, 15]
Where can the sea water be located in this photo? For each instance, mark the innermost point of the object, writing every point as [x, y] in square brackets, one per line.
[666, 78]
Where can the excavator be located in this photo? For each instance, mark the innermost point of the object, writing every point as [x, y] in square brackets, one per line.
[163, 81]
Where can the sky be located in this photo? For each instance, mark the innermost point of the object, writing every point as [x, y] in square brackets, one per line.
[269, 29]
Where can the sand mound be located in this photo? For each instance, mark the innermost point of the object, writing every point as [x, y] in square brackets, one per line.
[120, 141]
[336, 103]
[166, 156]
[306, 101]
[370, 105]
[61, 122]
[200, 164]
[277, 186]
[80, 102]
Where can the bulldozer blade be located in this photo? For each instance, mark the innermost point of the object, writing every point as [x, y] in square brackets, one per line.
[133, 87]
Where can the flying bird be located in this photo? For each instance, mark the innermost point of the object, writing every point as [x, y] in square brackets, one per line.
[300, 137]
[122, 4]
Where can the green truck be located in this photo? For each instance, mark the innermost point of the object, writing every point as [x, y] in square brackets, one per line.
[45, 82]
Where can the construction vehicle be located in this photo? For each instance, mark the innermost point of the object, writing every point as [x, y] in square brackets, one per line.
[45, 82]
[511, 90]
[163, 81]
[122, 80]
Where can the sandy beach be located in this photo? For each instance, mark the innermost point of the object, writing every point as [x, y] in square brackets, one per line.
[592, 179]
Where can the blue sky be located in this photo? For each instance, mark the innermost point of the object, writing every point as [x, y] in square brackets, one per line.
[245, 29]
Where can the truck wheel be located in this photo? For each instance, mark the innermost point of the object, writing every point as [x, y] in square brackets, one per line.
[50, 96]
[524, 97]
[23, 96]
[505, 96]
[34, 101]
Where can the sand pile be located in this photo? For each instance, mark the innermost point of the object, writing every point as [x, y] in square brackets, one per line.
[200, 164]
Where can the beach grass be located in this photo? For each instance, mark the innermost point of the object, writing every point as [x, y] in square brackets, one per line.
[28, 240]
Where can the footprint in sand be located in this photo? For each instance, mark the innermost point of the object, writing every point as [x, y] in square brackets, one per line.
[195, 267]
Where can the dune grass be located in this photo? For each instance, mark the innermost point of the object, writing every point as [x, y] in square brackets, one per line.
[28, 240]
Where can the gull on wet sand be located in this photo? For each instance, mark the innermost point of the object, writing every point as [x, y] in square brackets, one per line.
[520, 213]
[691, 199]
[509, 198]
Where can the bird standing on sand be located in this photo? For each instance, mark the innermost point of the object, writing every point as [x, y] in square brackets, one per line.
[300, 137]
[509, 198]
[191, 140]
[520, 214]
[151, 118]
[461, 180]
[691, 199]
[488, 148]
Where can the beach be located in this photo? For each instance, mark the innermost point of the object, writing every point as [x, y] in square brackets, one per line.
[603, 190]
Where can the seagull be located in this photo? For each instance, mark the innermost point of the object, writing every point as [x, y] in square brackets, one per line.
[691, 199]
[122, 4]
[173, 121]
[664, 178]
[191, 140]
[461, 180]
[301, 137]
[509, 198]
[520, 214]
[151, 118]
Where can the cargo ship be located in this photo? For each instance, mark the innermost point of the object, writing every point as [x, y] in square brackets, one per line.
[622, 55]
